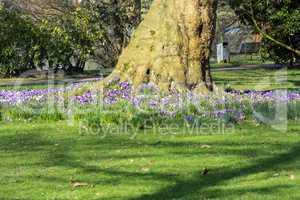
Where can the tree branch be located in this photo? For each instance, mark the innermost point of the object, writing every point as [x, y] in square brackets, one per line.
[269, 37]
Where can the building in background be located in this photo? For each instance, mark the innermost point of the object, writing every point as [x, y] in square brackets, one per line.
[242, 40]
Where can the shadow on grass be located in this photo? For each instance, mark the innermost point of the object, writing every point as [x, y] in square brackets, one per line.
[233, 193]
[199, 183]
[65, 153]
[294, 82]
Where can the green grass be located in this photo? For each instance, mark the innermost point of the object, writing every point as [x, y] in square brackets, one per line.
[258, 79]
[236, 60]
[33, 82]
[35, 86]
[38, 76]
[45, 161]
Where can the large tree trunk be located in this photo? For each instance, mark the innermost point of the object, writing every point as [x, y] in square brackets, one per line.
[171, 47]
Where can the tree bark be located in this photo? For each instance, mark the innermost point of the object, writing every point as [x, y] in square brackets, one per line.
[171, 47]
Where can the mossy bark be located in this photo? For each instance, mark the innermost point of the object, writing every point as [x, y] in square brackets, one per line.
[171, 47]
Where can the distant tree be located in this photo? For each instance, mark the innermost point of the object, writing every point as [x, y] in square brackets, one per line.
[71, 38]
[277, 21]
[16, 40]
[65, 34]
[226, 18]
[120, 18]
[64, 40]
[39, 8]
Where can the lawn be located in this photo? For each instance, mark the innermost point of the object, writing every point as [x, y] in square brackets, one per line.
[57, 160]
[34, 86]
[258, 79]
[53, 161]
[241, 59]
[42, 81]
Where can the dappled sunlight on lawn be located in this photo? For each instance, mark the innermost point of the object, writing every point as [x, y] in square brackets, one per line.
[53, 161]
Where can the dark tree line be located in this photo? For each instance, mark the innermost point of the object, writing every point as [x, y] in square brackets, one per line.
[61, 35]
[64, 34]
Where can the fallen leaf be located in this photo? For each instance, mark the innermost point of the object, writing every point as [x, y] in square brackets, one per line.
[205, 146]
[292, 177]
[145, 169]
[79, 184]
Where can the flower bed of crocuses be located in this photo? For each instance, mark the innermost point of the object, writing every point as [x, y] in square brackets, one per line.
[146, 106]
